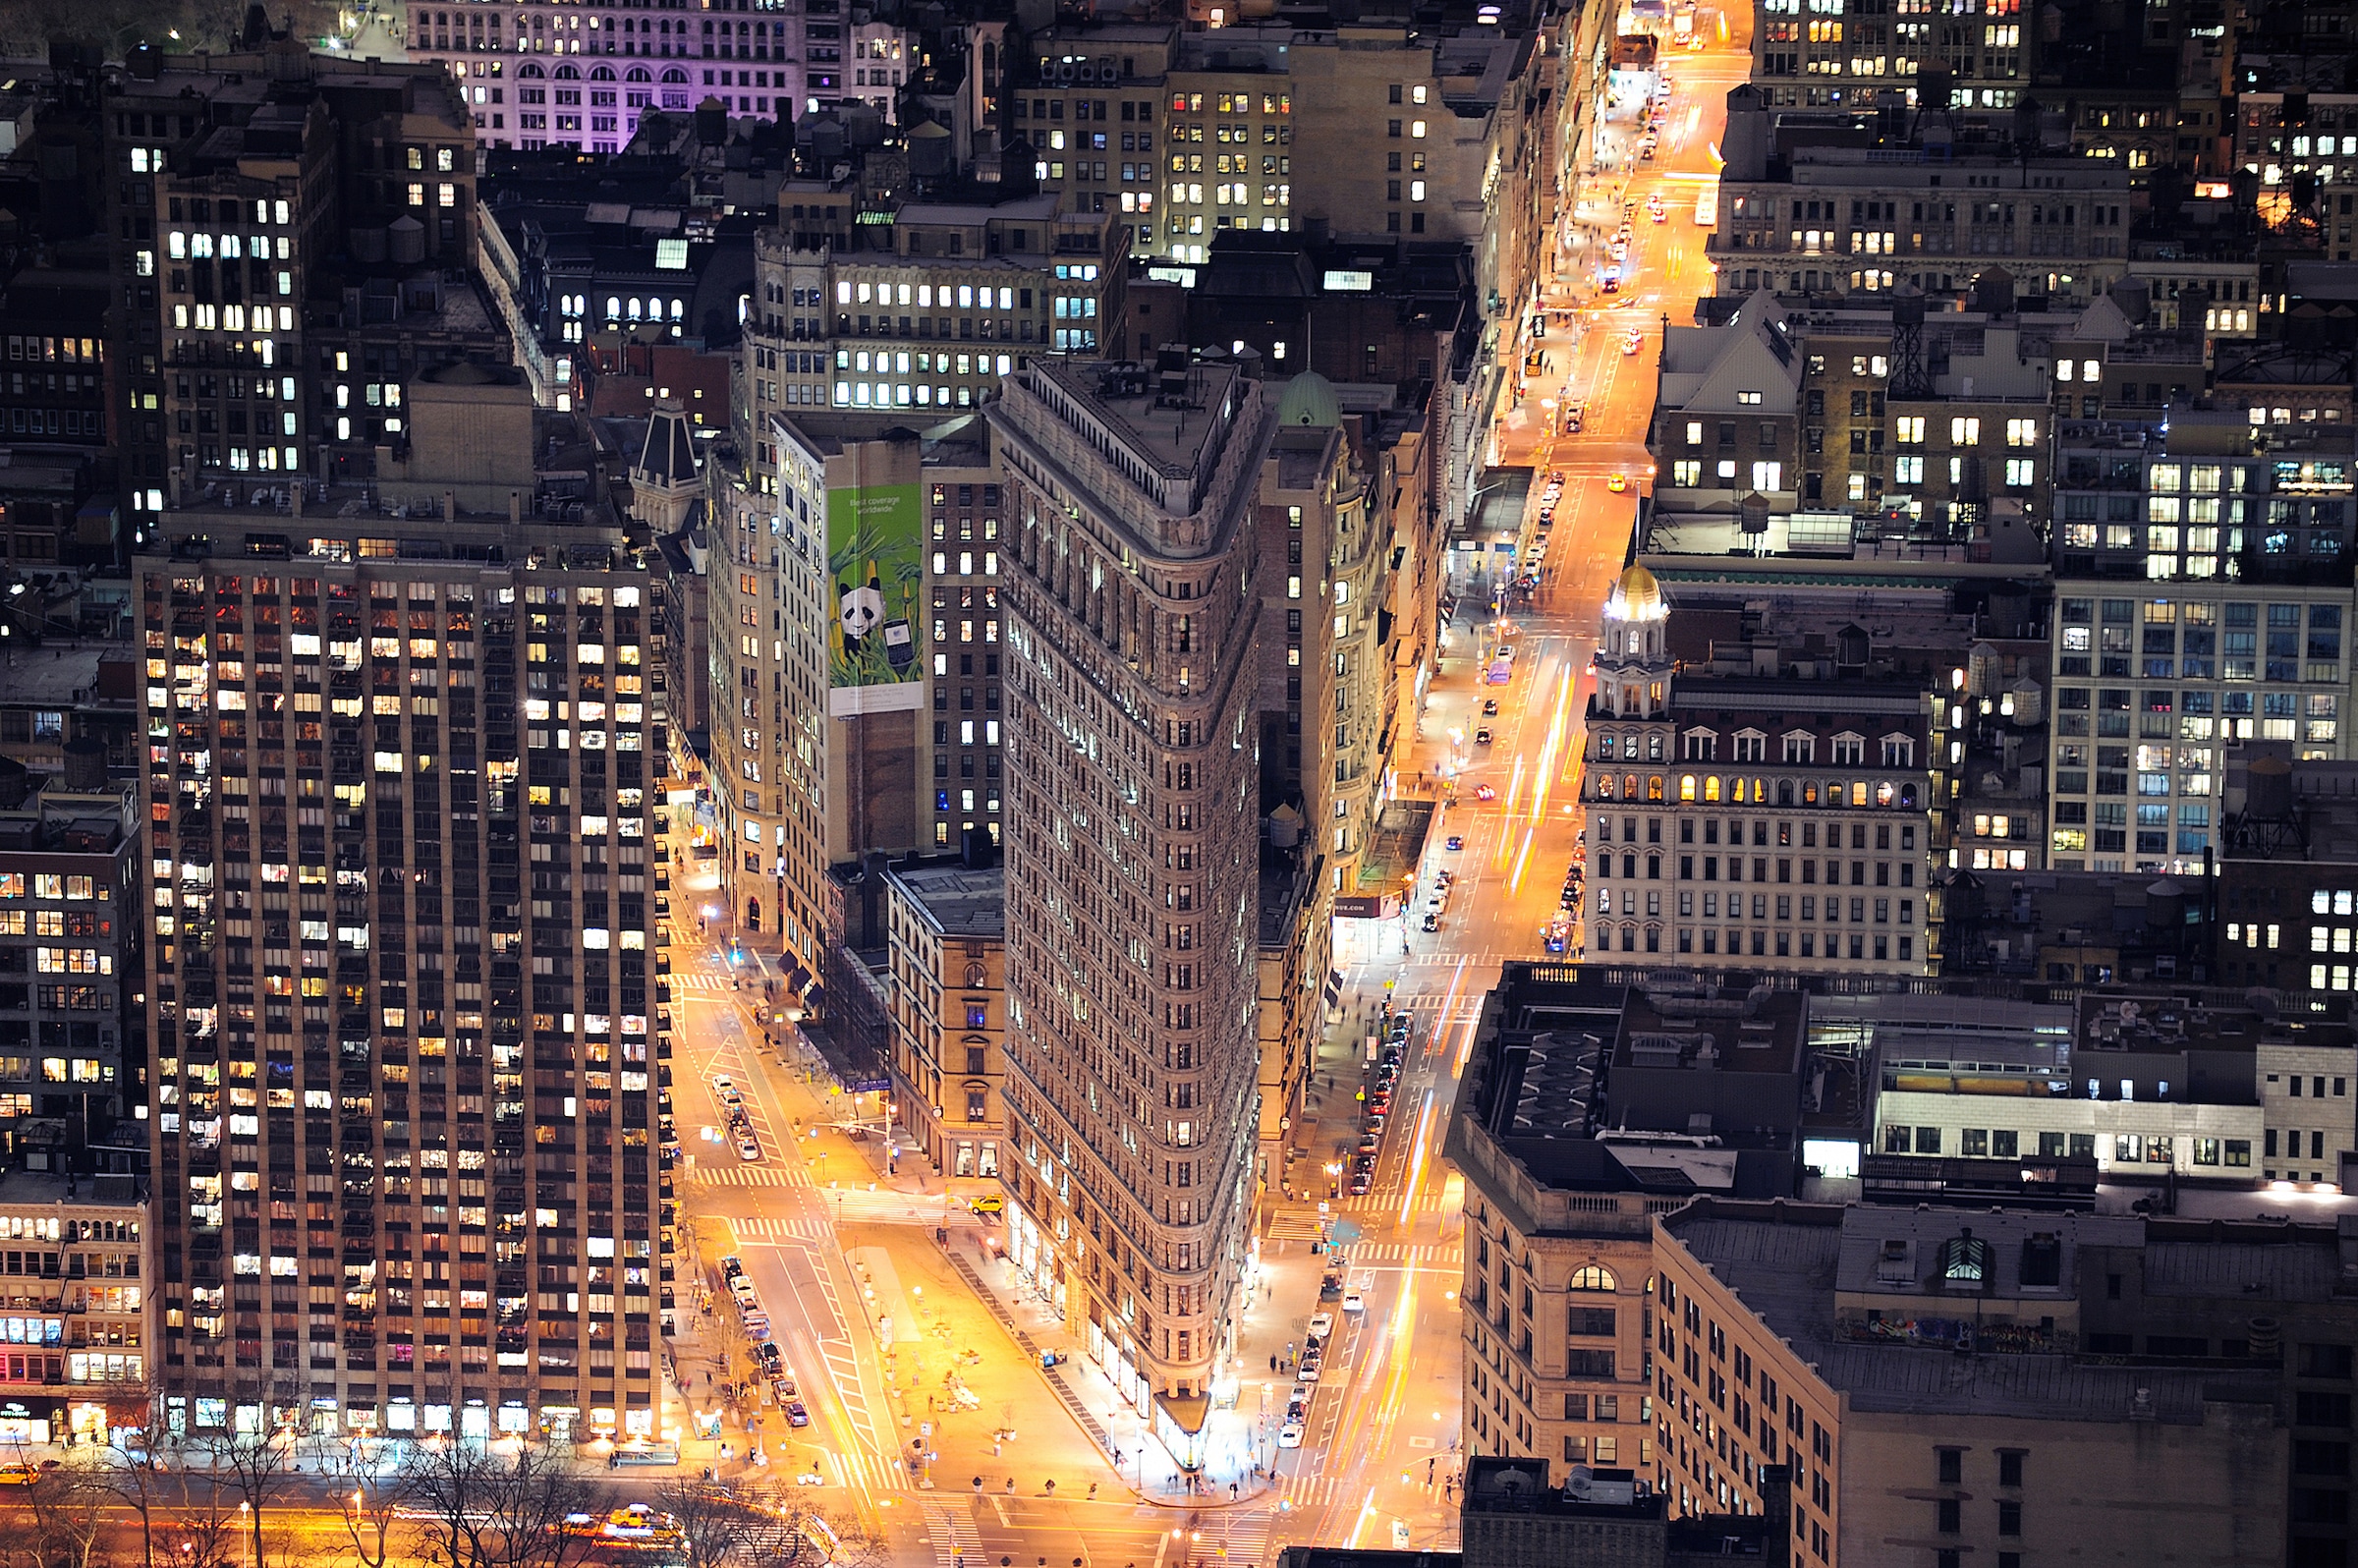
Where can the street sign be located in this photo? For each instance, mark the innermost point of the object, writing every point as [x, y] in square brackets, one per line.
[870, 1085]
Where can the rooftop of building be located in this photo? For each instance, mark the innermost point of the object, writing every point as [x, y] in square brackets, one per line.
[1166, 414]
[19, 1189]
[2169, 1023]
[1586, 1084]
[1789, 1261]
[963, 900]
[1678, 1022]
[56, 820]
[60, 675]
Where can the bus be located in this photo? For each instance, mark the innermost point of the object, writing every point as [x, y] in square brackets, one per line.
[1502, 665]
[1707, 206]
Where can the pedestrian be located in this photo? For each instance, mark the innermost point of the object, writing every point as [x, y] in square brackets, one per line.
[1272, 1362]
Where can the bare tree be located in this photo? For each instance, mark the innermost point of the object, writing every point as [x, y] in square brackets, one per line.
[64, 1516]
[200, 1517]
[857, 1546]
[721, 1523]
[489, 1510]
[140, 1470]
[256, 1466]
[736, 1345]
[370, 1504]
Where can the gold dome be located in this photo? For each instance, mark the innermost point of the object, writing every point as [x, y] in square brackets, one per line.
[1637, 597]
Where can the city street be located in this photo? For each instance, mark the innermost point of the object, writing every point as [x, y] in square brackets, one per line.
[931, 1419]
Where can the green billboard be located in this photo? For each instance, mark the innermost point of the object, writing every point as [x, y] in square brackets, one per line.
[877, 565]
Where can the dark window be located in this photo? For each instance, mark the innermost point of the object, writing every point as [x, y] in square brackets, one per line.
[2010, 1468]
[1952, 1466]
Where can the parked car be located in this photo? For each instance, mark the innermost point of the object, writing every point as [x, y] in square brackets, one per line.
[1321, 1324]
[797, 1413]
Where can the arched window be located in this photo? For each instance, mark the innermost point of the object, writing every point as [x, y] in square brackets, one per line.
[633, 304]
[1593, 1277]
[679, 309]
[1710, 785]
[1686, 786]
[1604, 785]
[613, 307]
[529, 68]
[1629, 787]
[637, 73]
[1654, 786]
[600, 73]
[569, 73]
[674, 75]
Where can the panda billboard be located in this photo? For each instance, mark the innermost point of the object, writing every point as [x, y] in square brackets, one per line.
[876, 660]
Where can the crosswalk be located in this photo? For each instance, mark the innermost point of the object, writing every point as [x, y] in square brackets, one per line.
[1294, 1225]
[726, 1171]
[1429, 1203]
[696, 981]
[1243, 1539]
[1312, 1491]
[1402, 1252]
[951, 1529]
[759, 1228]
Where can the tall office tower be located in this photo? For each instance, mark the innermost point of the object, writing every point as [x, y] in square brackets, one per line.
[1132, 856]
[411, 1151]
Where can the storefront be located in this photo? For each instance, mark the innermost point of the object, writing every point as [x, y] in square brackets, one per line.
[21, 1422]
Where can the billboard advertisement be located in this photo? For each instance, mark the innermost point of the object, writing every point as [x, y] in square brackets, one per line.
[875, 562]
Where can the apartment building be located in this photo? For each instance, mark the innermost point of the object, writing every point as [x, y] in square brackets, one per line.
[2201, 582]
[938, 303]
[1824, 1338]
[73, 1004]
[1325, 671]
[1895, 53]
[949, 931]
[1825, 760]
[966, 531]
[769, 589]
[412, 1174]
[1088, 100]
[1391, 130]
[1132, 858]
[254, 190]
[76, 1268]
[1799, 213]
[1561, 1193]
[1726, 412]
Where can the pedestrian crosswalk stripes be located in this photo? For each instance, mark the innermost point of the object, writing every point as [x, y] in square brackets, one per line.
[1312, 1492]
[723, 1172]
[955, 1538]
[1399, 1253]
[693, 982]
[759, 1228]
[1294, 1225]
[1244, 1537]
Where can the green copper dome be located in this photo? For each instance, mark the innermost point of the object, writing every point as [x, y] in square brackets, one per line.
[1309, 399]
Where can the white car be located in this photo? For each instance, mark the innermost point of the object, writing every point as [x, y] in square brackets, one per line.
[749, 1147]
[1322, 1326]
[1354, 1301]
[1289, 1436]
[1307, 1371]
